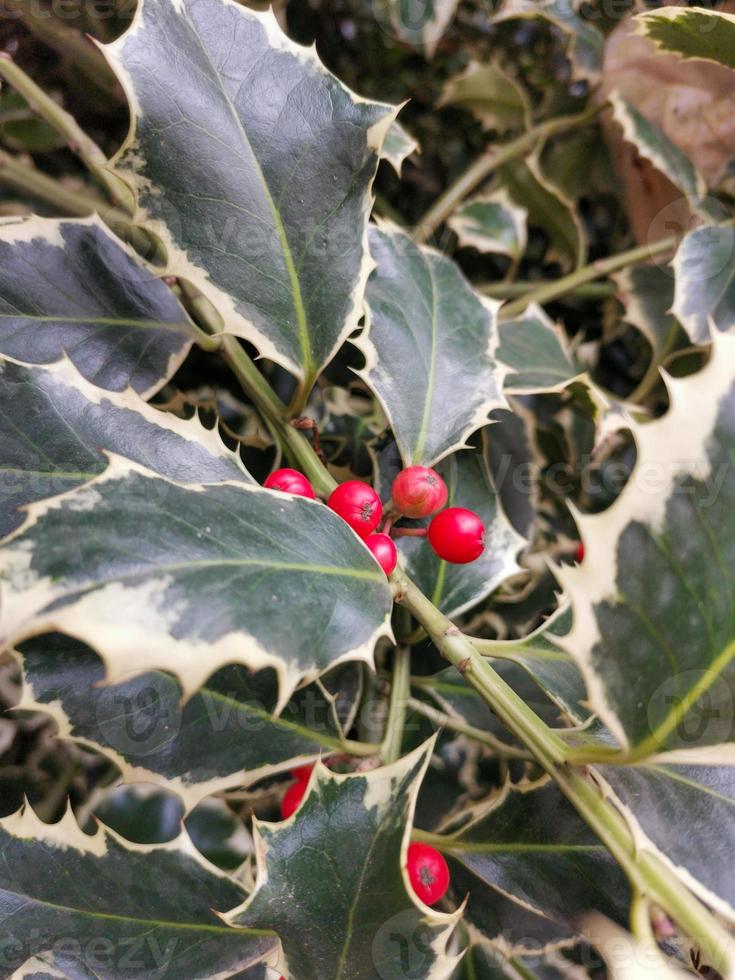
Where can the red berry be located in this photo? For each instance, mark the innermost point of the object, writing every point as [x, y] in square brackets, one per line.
[579, 553]
[457, 535]
[292, 798]
[358, 504]
[418, 491]
[427, 872]
[290, 481]
[384, 551]
[302, 773]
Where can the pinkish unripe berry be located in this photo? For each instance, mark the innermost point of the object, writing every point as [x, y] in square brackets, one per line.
[419, 491]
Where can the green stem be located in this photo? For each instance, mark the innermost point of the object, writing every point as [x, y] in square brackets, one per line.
[36, 184]
[513, 650]
[68, 42]
[640, 919]
[512, 710]
[510, 290]
[444, 720]
[66, 125]
[273, 409]
[359, 749]
[400, 691]
[43, 188]
[588, 273]
[492, 160]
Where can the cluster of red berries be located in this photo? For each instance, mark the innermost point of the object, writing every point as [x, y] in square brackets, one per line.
[456, 534]
[427, 869]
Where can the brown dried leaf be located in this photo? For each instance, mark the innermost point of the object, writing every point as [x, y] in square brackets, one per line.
[692, 102]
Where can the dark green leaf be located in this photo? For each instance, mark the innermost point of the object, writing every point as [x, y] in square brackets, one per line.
[57, 425]
[71, 287]
[665, 802]
[141, 814]
[548, 208]
[330, 881]
[491, 223]
[224, 735]
[103, 907]
[532, 863]
[429, 348]
[398, 145]
[156, 575]
[491, 96]
[219, 834]
[513, 467]
[537, 353]
[253, 164]
[692, 33]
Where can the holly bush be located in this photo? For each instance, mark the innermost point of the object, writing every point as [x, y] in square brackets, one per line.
[241, 745]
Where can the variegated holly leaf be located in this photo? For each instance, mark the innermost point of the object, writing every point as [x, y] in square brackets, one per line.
[652, 602]
[586, 43]
[398, 146]
[455, 588]
[99, 906]
[429, 347]
[654, 797]
[224, 735]
[691, 33]
[531, 868]
[332, 881]
[156, 575]
[548, 208]
[491, 95]
[275, 232]
[419, 24]
[57, 424]
[536, 351]
[647, 293]
[491, 223]
[653, 144]
[72, 287]
[704, 271]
